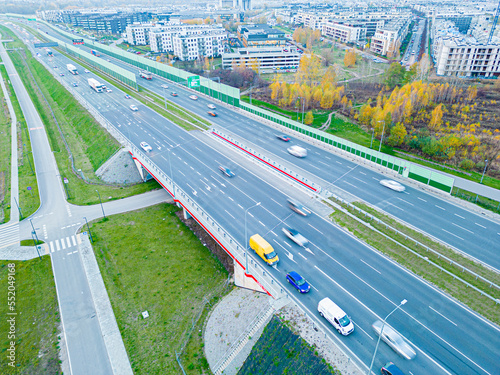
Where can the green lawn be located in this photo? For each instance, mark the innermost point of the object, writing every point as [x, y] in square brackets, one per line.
[36, 320]
[5, 155]
[151, 261]
[89, 143]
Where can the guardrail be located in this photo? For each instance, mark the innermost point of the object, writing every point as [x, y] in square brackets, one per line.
[267, 161]
[427, 248]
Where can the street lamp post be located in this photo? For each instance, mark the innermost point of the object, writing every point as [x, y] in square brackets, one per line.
[170, 167]
[165, 97]
[90, 234]
[298, 110]
[100, 201]
[371, 143]
[382, 137]
[484, 170]
[382, 330]
[303, 110]
[246, 236]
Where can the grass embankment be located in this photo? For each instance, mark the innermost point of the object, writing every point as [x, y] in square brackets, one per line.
[37, 317]
[5, 155]
[472, 298]
[29, 200]
[151, 261]
[280, 351]
[89, 143]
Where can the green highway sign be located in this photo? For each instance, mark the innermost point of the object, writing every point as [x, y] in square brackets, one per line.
[194, 81]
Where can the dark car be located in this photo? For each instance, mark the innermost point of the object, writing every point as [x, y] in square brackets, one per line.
[226, 171]
[283, 137]
[298, 282]
[174, 94]
[391, 369]
[61, 74]
[298, 208]
[75, 84]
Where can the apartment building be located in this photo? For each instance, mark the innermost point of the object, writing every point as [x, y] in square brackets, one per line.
[138, 34]
[312, 20]
[192, 47]
[345, 32]
[388, 39]
[266, 59]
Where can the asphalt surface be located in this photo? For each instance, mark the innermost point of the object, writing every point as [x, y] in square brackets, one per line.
[364, 283]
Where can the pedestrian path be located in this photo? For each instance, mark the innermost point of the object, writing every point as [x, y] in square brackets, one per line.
[9, 235]
[64, 243]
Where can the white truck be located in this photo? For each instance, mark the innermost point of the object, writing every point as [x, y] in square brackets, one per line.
[72, 69]
[146, 75]
[95, 84]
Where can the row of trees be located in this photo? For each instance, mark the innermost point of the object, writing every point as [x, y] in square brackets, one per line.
[306, 36]
[397, 114]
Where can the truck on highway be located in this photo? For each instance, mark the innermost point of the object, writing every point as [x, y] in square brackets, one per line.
[146, 75]
[72, 69]
[95, 53]
[95, 84]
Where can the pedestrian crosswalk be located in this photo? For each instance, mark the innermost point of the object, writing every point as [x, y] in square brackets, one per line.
[9, 235]
[65, 243]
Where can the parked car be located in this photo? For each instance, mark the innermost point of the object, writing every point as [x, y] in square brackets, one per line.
[211, 106]
[283, 137]
[226, 171]
[146, 147]
[298, 208]
[297, 151]
[212, 113]
[295, 236]
[391, 184]
[134, 108]
[298, 282]
[394, 340]
[193, 97]
[174, 93]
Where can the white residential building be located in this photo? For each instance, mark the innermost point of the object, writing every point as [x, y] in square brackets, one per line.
[192, 47]
[344, 32]
[138, 33]
[266, 59]
[388, 39]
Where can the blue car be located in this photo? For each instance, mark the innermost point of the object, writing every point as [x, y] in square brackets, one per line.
[226, 171]
[391, 369]
[298, 282]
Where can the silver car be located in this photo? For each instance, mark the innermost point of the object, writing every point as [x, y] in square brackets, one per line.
[295, 236]
[394, 340]
[391, 184]
[297, 151]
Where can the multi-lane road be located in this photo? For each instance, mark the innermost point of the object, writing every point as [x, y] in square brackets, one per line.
[364, 283]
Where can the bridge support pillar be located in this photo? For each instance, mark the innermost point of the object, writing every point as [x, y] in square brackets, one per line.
[143, 173]
[243, 281]
[186, 214]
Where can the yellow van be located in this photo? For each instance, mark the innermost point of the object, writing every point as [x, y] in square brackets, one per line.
[263, 249]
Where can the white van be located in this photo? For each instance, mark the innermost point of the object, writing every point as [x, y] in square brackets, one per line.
[336, 316]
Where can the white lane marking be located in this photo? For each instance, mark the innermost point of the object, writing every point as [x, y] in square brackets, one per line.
[230, 215]
[393, 205]
[261, 223]
[57, 245]
[230, 198]
[316, 229]
[241, 178]
[444, 209]
[376, 270]
[63, 245]
[362, 330]
[411, 204]
[452, 234]
[462, 228]
[421, 199]
[479, 225]
[376, 179]
[74, 240]
[78, 238]
[302, 256]
[437, 312]
[362, 173]
[461, 217]
[338, 162]
[240, 206]
[274, 233]
[364, 182]
[51, 246]
[250, 214]
[319, 161]
[69, 242]
[179, 171]
[279, 204]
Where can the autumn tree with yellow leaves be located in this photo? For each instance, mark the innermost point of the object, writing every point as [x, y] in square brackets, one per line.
[350, 58]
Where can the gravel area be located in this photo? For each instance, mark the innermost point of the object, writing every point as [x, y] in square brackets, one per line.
[119, 169]
[235, 312]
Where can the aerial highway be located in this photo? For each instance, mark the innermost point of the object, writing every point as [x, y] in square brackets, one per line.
[470, 233]
[364, 283]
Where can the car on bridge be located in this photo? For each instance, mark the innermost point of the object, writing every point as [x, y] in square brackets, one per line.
[295, 236]
[297, 151]
[283, 137]
[212, 113]
[393, 185]
[298, 282]
[394, 340]
[226, 171]
[193, 97]
[298, 208]
[173, 93]
[109, 90]
[146, 147]
[134, 108]
[211, 106]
